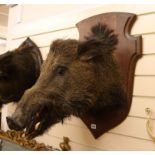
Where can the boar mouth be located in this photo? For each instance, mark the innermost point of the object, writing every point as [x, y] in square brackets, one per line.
[37, 123]
[33, 127]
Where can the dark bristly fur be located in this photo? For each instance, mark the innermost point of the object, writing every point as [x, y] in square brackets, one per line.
[75, 78]
[19, 70]
[104, 36]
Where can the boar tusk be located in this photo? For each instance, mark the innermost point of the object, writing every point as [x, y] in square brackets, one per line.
[37, 125]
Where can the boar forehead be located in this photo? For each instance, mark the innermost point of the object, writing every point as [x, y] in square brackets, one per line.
[64, 48]
[62, 52]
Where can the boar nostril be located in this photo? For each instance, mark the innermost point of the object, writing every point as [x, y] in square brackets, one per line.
[12, 124]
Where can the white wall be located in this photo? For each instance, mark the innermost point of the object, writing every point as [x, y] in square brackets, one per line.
[129, 135]
[2, 48]
[3, 31]
[3, 26]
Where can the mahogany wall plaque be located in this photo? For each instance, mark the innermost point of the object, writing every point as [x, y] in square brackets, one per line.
[127, 53]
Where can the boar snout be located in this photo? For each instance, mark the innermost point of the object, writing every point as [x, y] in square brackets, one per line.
[13, 124]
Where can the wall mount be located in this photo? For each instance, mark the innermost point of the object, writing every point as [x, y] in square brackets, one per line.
[127, 53]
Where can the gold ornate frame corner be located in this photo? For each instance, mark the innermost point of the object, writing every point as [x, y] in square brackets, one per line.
[18, 137]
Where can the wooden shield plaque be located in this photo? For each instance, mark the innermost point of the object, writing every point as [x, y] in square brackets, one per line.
[127, 53]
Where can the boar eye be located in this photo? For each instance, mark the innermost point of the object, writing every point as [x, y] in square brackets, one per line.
[60, 70]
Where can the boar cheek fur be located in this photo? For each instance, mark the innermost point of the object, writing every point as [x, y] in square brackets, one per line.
[92, 82]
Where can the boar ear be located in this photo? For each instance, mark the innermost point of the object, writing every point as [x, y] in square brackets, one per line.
[28, 43]
[89, 50]
[100, 42]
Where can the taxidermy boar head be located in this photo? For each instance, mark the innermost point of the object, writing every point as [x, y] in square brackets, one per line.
[19, 70]
[76, 77]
